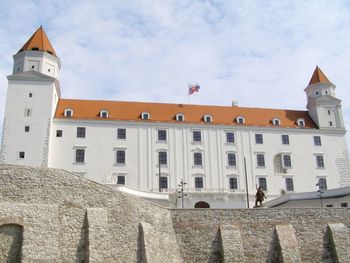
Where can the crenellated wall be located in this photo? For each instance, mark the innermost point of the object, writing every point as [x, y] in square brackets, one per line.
[62, 217]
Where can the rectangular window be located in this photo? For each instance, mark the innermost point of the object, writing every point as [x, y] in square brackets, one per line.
[322, 183]
[231, 159]
[59, 133]
[317, 140]
[285, 139]
[330, 123]
[121, 134]
[344, 205]
[289, 184]
[198, 182]
[79, 155]
[287, 162]
[230, 137]
[121, 179]
[329, 205]
[26, 128]
[21, 155]
[163, 182]
[319, 161]
[120, 156]
[262, 183]
[260, 160]
[233, 183]
[81, 132]
[30, 95]
[197, 158]
[162, 157]
[161, 135]
[197, 136]
[259, 139]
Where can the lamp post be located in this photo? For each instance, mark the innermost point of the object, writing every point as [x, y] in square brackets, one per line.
[181, 191]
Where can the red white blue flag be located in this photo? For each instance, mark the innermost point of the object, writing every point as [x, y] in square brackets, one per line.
[193, 88]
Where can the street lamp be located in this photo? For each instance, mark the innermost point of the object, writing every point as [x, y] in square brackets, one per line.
[181, 191]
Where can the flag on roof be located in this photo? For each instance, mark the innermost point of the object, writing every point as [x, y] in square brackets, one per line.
[193, 88]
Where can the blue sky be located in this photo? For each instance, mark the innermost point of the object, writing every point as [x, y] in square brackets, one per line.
[259, 53]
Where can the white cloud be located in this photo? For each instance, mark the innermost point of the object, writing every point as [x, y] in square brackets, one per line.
[261, 53]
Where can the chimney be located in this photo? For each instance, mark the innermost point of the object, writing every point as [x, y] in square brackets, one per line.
[234, 103]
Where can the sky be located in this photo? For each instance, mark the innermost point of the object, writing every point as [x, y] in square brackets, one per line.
[258, 53]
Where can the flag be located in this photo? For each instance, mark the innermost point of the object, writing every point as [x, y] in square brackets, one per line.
[193, 88]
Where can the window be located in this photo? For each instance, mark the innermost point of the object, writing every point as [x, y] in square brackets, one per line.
[162, 158]
[79, 155]
[285, 139]
[329, 205]
[330, 123]
[163, 182]
[289, 184]
[104, 114]
[180, 117]
[301, 122]
[319, 161]
[197, 159]
[30, 95]
[145, 116]
[230, 137]
[277, 161]
[207, 118]
[260, 160]
[287, 162]
[81, 132]
[21, 155]
[231, 159]
[59, 133]
[26, 128]
[121, 134]
[121, 156]
[198, 182]
[317, 140]
[197, 136]
[240, 120]
[233, 183]
[322, 183]
[276, 122]
[329, 112]
[258, 138]
[27, 112]
[262, 183]
[121, 179]
[344, 205]
[161, 135]
[68, 113]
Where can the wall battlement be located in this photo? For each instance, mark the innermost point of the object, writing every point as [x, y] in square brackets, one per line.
[49, 215]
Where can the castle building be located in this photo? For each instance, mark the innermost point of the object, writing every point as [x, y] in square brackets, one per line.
[220, 152]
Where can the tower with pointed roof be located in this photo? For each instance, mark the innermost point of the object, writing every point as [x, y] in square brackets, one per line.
[32, 96]
[323, 105]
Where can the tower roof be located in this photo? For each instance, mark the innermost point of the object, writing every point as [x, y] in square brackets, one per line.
[39, 41]
[319, 77]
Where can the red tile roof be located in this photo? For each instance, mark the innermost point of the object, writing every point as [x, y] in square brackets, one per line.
[319, 77]
[162, 112]
[39, 41]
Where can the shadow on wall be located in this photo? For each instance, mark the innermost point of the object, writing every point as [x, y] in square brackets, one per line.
[11, 240]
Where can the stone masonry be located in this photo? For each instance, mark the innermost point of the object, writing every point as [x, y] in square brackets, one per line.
[49, 215]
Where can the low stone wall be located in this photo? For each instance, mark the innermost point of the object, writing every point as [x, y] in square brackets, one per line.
[62, 217]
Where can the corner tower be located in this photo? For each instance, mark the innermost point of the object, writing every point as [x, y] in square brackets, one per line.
[323, 105]
[32, 95]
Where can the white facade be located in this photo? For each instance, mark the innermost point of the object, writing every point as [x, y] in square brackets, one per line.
[52, 140]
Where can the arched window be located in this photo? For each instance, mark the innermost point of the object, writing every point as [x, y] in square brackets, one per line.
[68, 112]
[201, 204]
[240, 120]
[276, 122]
[145, 116]
[104, 114]
[301, 122]
[207, 118]
[180, 117]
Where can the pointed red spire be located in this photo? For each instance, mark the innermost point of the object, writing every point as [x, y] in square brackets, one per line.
[319, 77]
[39, 41]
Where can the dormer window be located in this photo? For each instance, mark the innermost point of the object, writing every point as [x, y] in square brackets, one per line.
[104, 114]
[276, 122]
[301, 122]
[145, 116]
[68, 112]
[240, 120]
[35, 48]
[180, 117]
[207, 118]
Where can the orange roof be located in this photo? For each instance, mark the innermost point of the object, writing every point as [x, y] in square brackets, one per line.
[319, 77]
[161, 112]
[39, 41]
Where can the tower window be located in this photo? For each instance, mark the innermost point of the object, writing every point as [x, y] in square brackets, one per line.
[35, 48]
[230, 137]
[233, 183]
[287, 162]
[163, 182]
[319, 161]
[258, 138]
[81, 132]
[329, 112]
[330, 123]
[162, 158]
[231, 159]
[30, 95]
[79, 155]
[27, 112]
[121, 179]
[121, 134]
[317, 140]
[161, 135]
[198, 182]
[21, 155]
[197, 136]
[197, 159]
[26, 128]
[59, 133]
[121, 156]
[285, 139]
[289, 184]
[33, 67]
[260, 159]
[322, 183]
